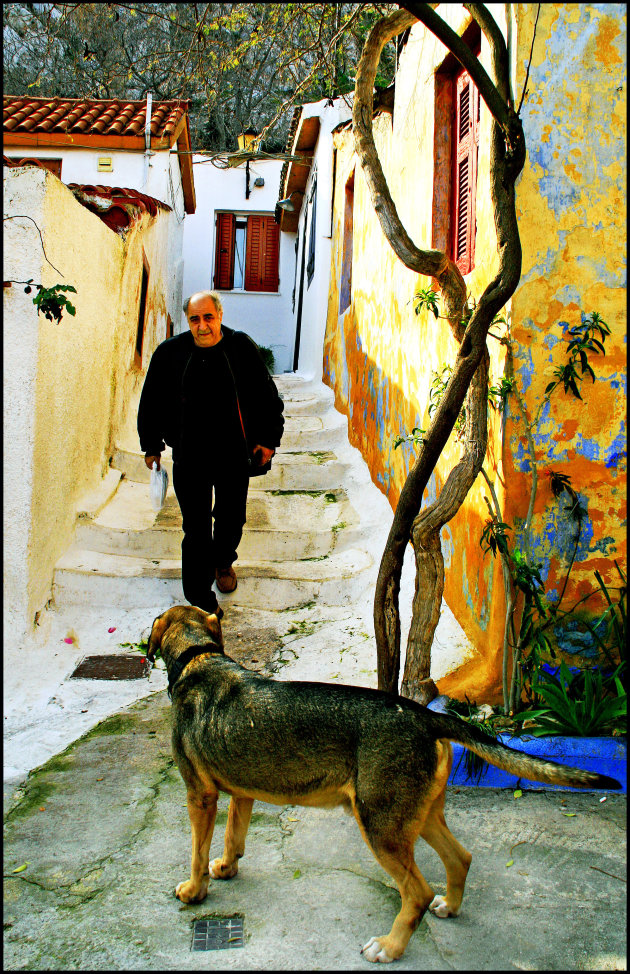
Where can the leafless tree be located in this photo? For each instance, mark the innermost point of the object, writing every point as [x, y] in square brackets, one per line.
[470, 327]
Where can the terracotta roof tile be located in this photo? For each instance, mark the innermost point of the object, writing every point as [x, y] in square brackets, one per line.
[101, 117]
[116, 206]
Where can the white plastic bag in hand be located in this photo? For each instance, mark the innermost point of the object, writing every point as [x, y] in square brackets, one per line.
[159, 486]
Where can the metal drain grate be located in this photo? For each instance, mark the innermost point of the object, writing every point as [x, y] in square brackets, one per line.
[218, 933]
[112, 668]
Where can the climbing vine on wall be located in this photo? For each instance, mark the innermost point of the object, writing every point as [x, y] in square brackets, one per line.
[526, 647]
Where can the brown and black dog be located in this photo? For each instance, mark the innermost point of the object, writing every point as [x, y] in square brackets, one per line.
[384, 758]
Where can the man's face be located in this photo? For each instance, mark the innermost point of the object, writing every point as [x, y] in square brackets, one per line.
[204, 321]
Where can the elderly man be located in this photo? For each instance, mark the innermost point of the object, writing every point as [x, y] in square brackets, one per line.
[208, 395]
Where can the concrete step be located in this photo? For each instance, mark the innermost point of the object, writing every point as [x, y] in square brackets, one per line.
[102, 579]
[290, 470]
[314, 432]
[280, 525]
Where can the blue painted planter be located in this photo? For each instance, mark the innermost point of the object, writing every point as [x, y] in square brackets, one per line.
[606, 755]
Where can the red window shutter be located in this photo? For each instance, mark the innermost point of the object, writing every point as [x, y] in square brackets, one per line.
[261, 258]
[465, 142]
[224, 251]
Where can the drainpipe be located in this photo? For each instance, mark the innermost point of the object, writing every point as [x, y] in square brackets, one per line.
[148, 152]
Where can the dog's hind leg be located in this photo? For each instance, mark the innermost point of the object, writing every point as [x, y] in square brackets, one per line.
[202, 809]
[395, 854]
[434, 830]
[239, 814]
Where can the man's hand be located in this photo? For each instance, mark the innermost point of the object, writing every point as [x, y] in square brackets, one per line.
[150, 460]
[262, 454]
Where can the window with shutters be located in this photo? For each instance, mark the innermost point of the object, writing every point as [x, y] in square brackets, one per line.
[455, 154]
[345, 289]
[247, 250]
[465, 148]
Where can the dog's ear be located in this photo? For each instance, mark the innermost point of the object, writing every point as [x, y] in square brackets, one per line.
[155, 640]
[213, 624]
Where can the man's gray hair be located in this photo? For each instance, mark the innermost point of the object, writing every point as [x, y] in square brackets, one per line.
[206, 294]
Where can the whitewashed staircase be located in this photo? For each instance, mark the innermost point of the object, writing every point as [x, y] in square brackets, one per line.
[302, 540]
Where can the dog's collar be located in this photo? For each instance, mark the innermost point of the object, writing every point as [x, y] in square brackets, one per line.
[182, 661]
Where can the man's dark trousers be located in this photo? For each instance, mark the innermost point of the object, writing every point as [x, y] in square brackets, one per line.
[204, 549]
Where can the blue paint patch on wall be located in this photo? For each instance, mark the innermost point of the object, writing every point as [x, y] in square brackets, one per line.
[575, 640]
[525, 369]
[483, 616]
[619, 381]
[570, 50]
[446, 537]
[432, 491]
[586, 447]
[546, 261]
[557, 538]
[522, 460]
[568, 294]
[551, 341]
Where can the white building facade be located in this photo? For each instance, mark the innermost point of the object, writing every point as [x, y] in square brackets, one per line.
[232, 231]
[310, 185]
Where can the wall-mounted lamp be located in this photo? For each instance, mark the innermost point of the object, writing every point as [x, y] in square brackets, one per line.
[287, 204]
[259, 181]
[246, 139]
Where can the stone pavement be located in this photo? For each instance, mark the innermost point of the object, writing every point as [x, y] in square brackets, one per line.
[96, 811]
[97, 839]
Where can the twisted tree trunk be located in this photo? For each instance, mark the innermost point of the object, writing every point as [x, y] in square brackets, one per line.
[507, 159]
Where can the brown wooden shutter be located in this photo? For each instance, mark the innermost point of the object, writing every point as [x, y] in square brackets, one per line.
[261, 258]
[224, 251]
[465, 141]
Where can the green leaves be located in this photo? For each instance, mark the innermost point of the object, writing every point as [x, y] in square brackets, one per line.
[497, 395]
[49, 301]
[582, 341]
[416, 436]
[584, 714]
[427, 298]
[494, 537]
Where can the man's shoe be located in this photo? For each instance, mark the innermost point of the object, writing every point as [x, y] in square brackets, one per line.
[226, 579]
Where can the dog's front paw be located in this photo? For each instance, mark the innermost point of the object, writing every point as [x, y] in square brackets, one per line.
[375, 952]
[220, 871]
[440, 908]
[187, 892]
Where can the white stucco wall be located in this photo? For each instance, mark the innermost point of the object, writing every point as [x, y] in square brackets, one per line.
[23, 260]
[266, 317]
[315, 300]
[158, 175]
[70, 388]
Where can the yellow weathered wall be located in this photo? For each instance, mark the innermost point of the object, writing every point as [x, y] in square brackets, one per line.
[379, 356]
[86, 386]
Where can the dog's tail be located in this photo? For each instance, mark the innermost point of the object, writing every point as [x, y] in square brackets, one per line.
[516, 762]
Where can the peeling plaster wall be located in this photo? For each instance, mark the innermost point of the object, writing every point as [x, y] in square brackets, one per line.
[23, 260]
[571, 206]
[68, 386]
[379, 356]
[161, 240]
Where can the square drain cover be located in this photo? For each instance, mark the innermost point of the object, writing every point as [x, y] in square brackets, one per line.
[131, 667]
[218, 933]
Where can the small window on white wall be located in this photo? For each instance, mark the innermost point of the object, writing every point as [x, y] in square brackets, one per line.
[247, 250]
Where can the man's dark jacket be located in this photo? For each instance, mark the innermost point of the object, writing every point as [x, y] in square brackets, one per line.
[163, 394]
